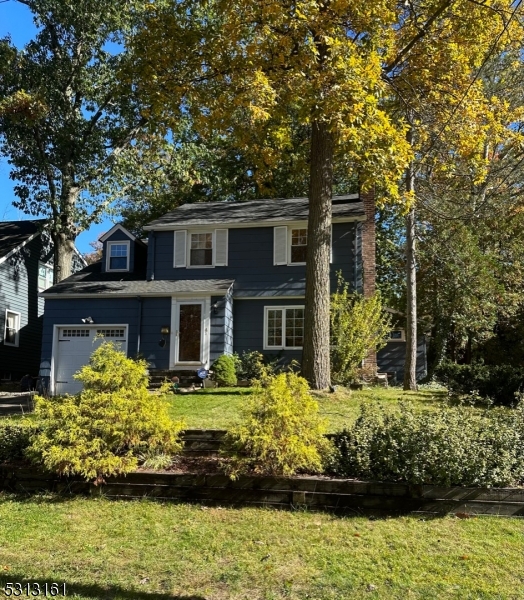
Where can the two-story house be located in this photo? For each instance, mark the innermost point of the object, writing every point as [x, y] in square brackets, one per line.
[213, 278]
[26, 268]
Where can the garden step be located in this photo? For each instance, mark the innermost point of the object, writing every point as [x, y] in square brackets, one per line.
[202, 442]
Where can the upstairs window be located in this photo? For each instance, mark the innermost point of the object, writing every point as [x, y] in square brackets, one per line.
[201, 250]
[45, 276]
[117, 256]
[12, 328]
[298, 246]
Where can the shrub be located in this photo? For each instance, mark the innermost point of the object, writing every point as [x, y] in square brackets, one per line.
[100, 431]
[15, 438]
[358, 325]
[281, 431]
[447, 446]
[253, 365]
[499, 383]
[224, 370]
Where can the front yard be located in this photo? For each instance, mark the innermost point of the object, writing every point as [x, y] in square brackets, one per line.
[218, 408]
[146, 550]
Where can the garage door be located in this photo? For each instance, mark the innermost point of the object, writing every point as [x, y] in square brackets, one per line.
[75, 345]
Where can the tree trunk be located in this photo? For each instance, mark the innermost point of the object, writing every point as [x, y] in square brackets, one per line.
[410, 367]
[63, 234]
[315, 355]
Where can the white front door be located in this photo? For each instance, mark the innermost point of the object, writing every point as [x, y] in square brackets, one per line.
[73, 347]
[191, 332]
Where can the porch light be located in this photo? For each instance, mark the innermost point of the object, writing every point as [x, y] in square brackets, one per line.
[164, 330]
[88, 320]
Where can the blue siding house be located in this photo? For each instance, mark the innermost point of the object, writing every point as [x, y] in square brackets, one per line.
[212, 278]
[26, 268]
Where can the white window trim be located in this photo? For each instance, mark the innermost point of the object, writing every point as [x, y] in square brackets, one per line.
[289, 245]
[188, 249]
[401, 339]
[47, 266]
[19, 321]
[108, 255]
[205, 332]
[266, 346]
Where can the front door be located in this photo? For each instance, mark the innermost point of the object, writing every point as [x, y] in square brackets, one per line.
[189, 338]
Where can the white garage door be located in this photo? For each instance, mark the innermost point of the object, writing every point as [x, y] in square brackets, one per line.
[75, 345]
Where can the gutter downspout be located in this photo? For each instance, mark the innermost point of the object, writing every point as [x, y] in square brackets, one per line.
[139, 324]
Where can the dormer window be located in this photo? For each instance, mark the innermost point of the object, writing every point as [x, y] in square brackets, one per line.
[117, 256]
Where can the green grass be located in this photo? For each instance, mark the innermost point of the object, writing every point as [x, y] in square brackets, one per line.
[219, 408]
[140, 550]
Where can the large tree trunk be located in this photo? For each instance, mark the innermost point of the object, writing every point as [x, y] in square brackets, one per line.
[63, 234]
[410, 367]
[315, 355]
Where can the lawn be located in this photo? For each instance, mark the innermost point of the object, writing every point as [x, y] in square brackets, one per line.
[139, 550]
[218, 408]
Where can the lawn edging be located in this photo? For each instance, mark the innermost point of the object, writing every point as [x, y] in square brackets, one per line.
[310, 493]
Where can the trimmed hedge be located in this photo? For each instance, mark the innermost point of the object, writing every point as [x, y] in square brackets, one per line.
[445, 446]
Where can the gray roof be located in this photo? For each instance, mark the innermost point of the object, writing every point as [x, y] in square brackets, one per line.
[14, 233]
[255, 211]
[91, 281]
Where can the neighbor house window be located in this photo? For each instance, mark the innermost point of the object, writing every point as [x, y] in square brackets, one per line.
[284, 327]
[396, 335]
[117, 256]
[298, 246]
[45, 277]
[201, 250]
[12, 328]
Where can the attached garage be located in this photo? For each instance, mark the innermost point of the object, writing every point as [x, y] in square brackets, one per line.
[73, 347]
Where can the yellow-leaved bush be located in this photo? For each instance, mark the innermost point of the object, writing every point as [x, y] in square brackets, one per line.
[281, 431]
[100, 431]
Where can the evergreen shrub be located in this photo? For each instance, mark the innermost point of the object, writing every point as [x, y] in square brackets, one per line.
[499, 383]
[224, 372]
[281, 431]
[101, 431]
[253, 365]
[15, 438]
[446, 446]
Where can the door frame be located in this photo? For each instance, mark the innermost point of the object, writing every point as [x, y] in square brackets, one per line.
[204, 332]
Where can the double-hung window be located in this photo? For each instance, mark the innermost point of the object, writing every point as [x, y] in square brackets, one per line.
[45, 276]
[284, 327]
[12, 328]
[201, 249]
[297, 251]
[117, 256]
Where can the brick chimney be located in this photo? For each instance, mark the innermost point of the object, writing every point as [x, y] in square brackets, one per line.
[369, 262]
[368, 243]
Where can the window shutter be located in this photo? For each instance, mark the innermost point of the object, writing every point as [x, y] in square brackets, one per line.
[280, 246]
[221, 247]
[180, 248]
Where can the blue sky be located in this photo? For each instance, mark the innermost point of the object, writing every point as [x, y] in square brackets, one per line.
[16, 21]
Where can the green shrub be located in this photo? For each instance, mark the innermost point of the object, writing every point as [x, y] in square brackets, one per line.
[358, 325]
[100, 431]
[446, 446]
[498, 383]
[281, 431]
[253, 365]
[15, 438]
[224, 370]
